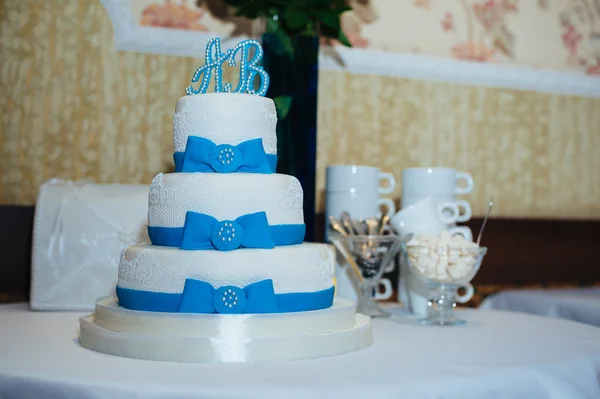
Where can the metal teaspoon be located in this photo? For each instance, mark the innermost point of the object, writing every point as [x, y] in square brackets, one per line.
[347, 223]
[372, 226]
[487, 215]
[383, 221]
[334, 224]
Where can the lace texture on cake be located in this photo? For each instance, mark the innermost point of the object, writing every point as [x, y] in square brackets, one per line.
[225, 198]
[303, 268]
[233, 125]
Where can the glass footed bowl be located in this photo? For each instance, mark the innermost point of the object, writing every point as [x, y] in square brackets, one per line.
[444, 270]
[368, 258]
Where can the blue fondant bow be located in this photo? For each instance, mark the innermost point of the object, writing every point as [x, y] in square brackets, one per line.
[202, 231]
[202, 155]
[200, 297]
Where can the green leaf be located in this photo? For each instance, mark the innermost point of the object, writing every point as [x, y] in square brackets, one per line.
[329, 18]
[319, 4]
[282, 105]
[274, 43]
[296, 3]
[287, 18]
[280, 41]
[296, 18]
[343, 39]
[272, 25]
[286, 42]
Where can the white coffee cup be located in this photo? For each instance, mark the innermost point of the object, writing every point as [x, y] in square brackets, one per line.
[451, 210]
[357, 178]
[428, 217]
[387, 292]
[465, 215]
[360, 205]
[357, 189]
[435, 181]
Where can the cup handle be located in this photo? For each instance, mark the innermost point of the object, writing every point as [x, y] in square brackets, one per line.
[468, 179]
[387, 293]
[389, 203]
[452, 207]
[390, 268]
[468, 295]
[468, 213]
[391, 183]
[463, 231]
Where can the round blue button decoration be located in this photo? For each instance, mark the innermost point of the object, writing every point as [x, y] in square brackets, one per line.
[225, 158]
[229, 300]
[227, 235]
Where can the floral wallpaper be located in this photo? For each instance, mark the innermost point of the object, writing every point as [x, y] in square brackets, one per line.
[172, 15]
[553, 34]
[73, 107]
[580, 26]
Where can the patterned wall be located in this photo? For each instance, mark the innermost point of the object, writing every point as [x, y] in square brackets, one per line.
[73, 107]
[556, 34]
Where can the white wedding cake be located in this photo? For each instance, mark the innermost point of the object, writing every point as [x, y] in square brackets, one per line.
[153, 277]
[227, 238]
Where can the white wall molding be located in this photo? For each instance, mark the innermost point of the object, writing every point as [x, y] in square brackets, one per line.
[463, 72]
[130, 36]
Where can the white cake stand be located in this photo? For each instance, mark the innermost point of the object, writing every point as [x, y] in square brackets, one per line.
[213, 338]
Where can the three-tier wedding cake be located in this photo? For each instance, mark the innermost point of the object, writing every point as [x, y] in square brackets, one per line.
[227, 247]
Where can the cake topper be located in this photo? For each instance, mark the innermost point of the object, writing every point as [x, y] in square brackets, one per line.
[249, 68]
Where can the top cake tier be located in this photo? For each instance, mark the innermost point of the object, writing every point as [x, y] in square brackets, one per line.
[225, 118]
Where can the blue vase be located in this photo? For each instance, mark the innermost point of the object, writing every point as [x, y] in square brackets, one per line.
[296, 77]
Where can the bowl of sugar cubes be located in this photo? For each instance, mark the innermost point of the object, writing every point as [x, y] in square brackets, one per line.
[445, 258]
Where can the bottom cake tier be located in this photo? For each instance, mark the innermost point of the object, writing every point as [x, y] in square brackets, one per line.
[217, 338]
[284, 279]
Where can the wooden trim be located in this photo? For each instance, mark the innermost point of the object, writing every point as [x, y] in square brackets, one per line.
[526, 251]
[16, 230]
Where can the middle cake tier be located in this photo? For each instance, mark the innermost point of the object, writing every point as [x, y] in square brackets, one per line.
[225, 198]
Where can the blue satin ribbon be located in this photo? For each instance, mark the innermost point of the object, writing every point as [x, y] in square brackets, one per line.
[202, 155]
[202, 231]
[200, 297]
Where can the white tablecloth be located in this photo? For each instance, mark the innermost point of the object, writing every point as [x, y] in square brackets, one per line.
[496, 355]
[582, 304]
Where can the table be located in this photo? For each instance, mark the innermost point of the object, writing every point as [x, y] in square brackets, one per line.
[496, 355]
[581, 304]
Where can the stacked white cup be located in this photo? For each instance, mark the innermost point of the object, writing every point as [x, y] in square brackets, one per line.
[358, 190]
[429, 205]
[441, 184]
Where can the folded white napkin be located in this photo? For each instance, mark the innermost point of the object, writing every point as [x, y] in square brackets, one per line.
[80, 230]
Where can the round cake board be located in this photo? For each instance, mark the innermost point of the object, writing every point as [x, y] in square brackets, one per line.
[214, 338]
